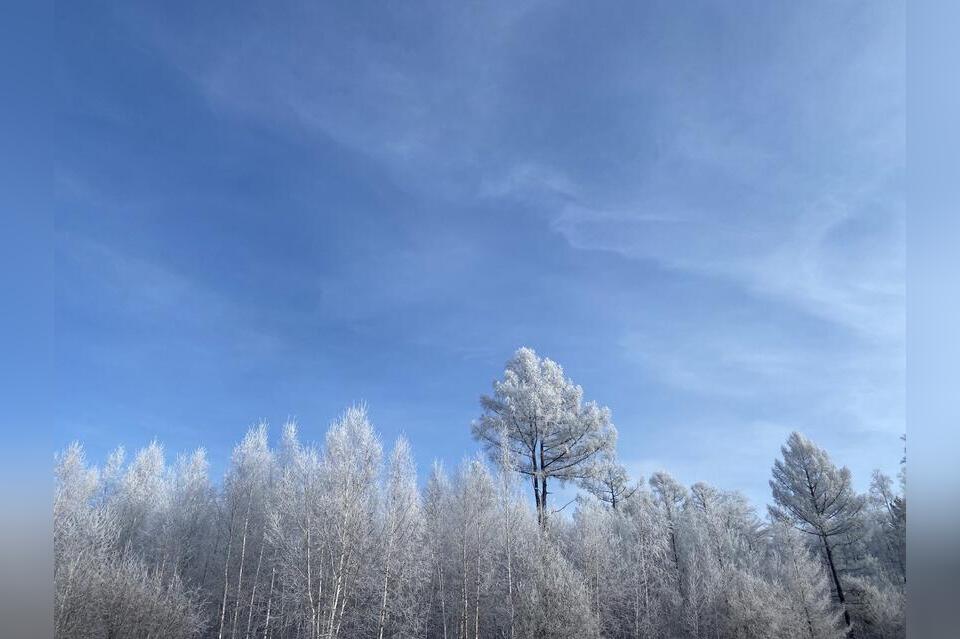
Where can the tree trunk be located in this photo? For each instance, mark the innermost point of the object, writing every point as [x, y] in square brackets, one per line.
[336, 594]
[462, 631]
[476, 621]
[273, 574]
[343, 599]
[253, 592]
[383, 601]
[543, 501]
[836, 583]
[226, 576]
[443, 599]
[509, 539]
[314, 614]
[543, 489]
[243, 551]
[536, 488]
[676, 562]
[596, 578]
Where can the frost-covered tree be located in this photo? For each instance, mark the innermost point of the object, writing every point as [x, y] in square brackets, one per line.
[439, 546]
[817, 498]
[512, 516]
[888, 519]
[554, 602]
[473, 513]
[646, 556]
[247, 490]
[141, 500]
[609, 482]
[109, 581]
[670, 495]
[404, 560]
[310, 541]
[807, 607]
[351, 465]
[550, 432]
[189, 534]
[590, 548]
[295, 534]
[879, 608]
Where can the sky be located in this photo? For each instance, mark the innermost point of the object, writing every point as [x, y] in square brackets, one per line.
[275, 210]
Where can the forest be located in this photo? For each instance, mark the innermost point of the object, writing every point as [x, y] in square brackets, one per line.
[342, 538]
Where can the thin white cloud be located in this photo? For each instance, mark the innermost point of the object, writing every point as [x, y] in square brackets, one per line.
[777, 173]
[794, 261]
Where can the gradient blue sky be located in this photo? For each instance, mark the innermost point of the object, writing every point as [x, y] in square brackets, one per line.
[278, 210]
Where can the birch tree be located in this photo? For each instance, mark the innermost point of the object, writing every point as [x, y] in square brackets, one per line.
[141, 501]
[294, 598]
[246, 489]
[104, 585]
[192, 518]
[351, 465]
[474, 492]
[403, 556]
[437, 511]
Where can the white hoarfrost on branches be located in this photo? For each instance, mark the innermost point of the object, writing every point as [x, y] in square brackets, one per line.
[609, 483]
[304, 540]
[537, 415]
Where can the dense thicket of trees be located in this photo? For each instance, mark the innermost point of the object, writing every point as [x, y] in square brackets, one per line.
[314, 541]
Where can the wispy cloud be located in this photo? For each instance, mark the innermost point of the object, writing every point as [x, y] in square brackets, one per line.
[839, 260]
[784, 180]
[700, 204]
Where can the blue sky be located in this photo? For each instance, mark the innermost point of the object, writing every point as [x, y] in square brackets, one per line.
[278, 210]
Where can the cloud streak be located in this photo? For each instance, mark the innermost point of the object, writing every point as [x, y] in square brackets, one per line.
[700, 207]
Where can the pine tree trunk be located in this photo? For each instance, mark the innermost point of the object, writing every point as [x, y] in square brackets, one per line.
[676, 560]
[543, 488]
[536, 488]
[836, 583]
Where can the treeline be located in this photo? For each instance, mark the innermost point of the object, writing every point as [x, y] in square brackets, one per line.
[320, 541]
